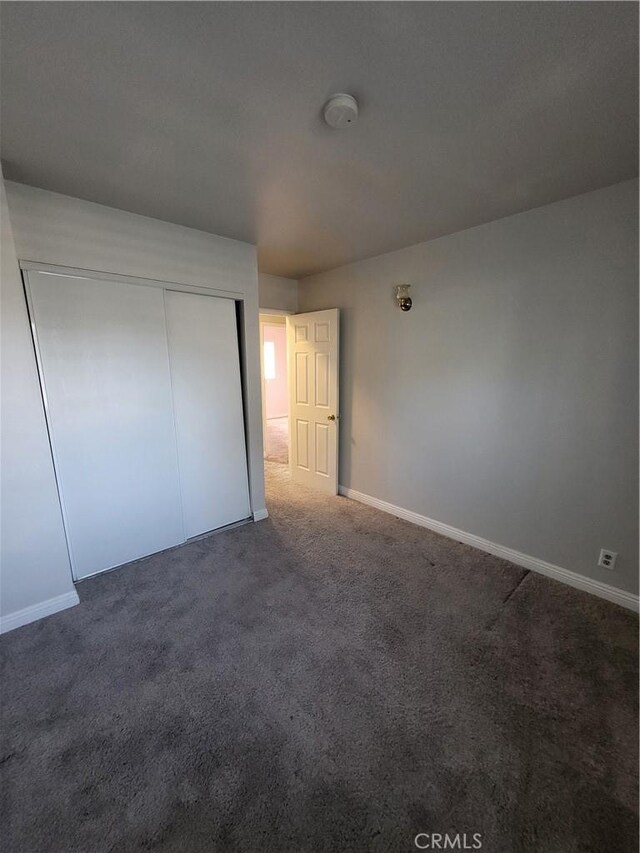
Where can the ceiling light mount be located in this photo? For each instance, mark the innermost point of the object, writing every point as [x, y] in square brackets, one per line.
[341, 110]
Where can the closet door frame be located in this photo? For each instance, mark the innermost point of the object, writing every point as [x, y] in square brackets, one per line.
[75, 272]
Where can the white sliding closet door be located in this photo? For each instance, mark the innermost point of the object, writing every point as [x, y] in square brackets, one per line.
[103, 356]
[207, 397]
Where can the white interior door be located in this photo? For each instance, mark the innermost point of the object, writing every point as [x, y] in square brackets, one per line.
[313, 348]
[207, 396]
[102, 351]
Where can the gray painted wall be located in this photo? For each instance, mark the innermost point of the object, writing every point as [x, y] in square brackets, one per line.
[506, 402]
[34, 564]
[278, 292]
[56, 229]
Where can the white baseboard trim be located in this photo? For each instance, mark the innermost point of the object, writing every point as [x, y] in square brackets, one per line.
[602, 590]
[260, 514]
[37, 611]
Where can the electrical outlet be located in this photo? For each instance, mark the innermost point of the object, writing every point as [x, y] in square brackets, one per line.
[607, 559]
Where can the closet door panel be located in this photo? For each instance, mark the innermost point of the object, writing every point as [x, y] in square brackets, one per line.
[207, 396]
[104, 363]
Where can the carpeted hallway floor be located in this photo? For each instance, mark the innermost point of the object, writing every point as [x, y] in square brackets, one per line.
[276, 440]
[331, 679]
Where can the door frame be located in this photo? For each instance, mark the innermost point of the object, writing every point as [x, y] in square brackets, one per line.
[77, 272]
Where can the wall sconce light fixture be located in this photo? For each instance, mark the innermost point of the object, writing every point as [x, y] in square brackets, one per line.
[402, 297]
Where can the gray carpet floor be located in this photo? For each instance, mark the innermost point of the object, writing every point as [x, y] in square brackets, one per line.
[330, 679]
[276, 440]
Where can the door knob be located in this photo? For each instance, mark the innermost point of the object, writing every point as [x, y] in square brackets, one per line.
[331, 417]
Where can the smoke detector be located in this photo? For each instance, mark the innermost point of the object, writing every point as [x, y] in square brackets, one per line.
[341, 111]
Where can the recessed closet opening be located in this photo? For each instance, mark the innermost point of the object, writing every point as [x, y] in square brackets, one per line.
[142, 388]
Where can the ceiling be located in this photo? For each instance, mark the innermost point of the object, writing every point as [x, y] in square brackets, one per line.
[210, 114]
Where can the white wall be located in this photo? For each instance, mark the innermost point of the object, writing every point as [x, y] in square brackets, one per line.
[34, 563]
[278, 292]
[277, 390]
[56, 229]
[505, 403]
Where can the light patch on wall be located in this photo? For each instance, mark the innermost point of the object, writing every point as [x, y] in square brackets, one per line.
[269, 360]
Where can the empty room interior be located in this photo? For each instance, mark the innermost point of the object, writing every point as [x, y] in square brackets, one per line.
[319, 427]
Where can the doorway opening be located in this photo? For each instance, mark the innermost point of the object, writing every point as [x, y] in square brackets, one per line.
[300, 359]
[275, 388]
